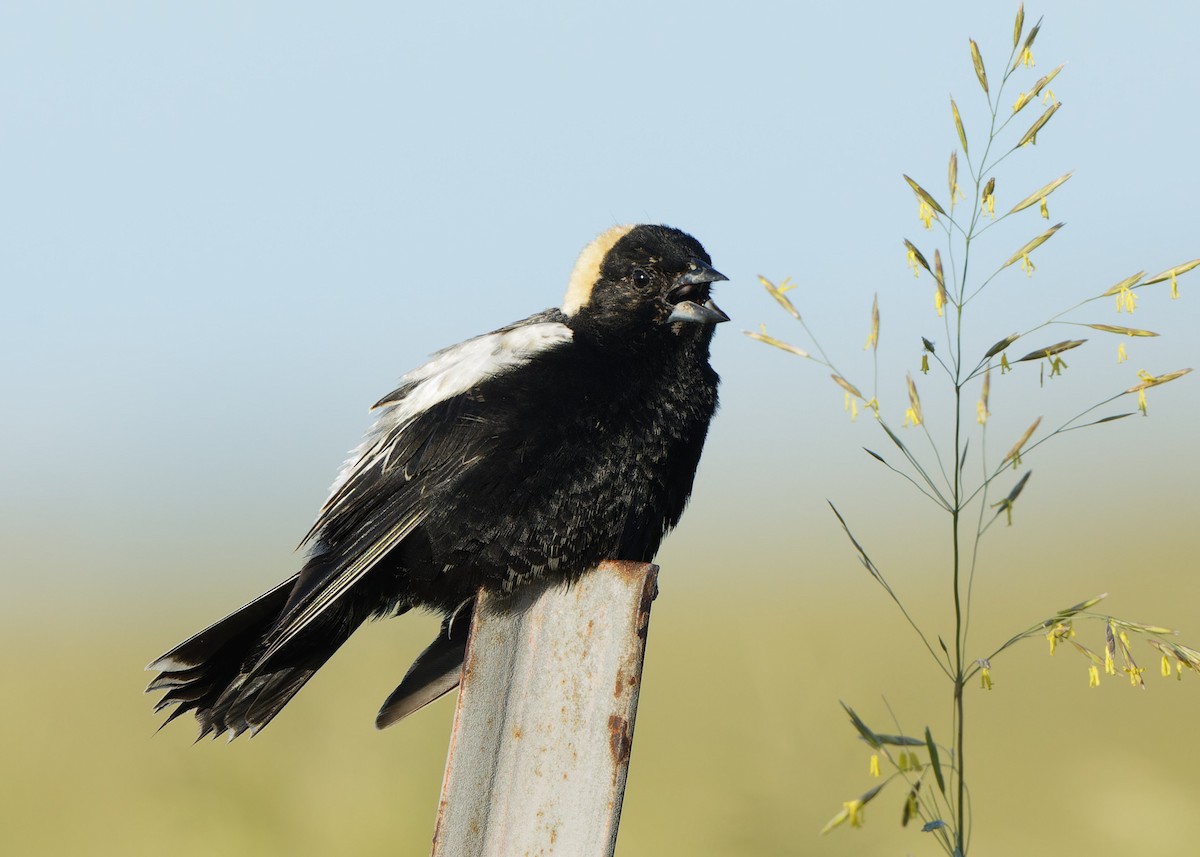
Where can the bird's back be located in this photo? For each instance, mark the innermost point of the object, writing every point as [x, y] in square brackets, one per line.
[604, 472]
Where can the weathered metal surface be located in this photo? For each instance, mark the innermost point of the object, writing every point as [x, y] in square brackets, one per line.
[544, 725]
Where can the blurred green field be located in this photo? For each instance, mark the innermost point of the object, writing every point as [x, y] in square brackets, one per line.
[740, 749]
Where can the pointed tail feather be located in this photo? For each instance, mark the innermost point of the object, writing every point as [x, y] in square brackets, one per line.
[220, 674]
[252, 701]
[197, 672]
[434, 673]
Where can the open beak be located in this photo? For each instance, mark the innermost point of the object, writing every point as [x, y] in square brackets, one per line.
[691, 287]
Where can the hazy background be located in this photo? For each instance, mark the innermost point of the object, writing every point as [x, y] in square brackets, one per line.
[227, 229]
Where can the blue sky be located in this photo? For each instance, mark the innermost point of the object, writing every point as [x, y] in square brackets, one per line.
[228, 228]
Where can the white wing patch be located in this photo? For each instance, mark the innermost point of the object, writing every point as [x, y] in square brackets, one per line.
[457, 369]
[451, 372]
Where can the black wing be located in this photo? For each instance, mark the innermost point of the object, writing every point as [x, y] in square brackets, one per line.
[430, 433]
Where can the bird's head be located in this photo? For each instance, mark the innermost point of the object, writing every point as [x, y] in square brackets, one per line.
[641, 282]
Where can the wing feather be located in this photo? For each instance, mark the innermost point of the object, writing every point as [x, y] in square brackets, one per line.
[334, 587]
[450, 373]
[426, 430]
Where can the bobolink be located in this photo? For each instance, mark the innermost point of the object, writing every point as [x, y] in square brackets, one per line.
[532, 452]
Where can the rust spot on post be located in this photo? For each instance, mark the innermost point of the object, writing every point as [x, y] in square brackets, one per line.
[620, 741]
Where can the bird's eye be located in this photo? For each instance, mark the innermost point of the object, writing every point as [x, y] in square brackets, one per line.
[641, 279]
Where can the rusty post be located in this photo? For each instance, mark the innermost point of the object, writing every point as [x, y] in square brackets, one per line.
[544, 724]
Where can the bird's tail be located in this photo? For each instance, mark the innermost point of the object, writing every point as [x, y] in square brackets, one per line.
[221, 676]
[434, 673]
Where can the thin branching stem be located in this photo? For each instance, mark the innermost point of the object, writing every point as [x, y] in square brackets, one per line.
[916, 464]
[960, 627]
[1062, 429]
[936, 454]
[979, 527]
[946, 805]
[878, 575]
[937, 500]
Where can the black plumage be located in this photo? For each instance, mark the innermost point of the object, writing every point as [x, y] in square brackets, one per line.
[531, 452]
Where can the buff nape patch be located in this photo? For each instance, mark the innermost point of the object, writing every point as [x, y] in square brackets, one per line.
[587, 268]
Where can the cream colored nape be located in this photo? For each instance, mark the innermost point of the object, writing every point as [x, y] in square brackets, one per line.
[587, 268]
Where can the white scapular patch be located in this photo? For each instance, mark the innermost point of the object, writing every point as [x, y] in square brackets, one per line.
[451, 372]
[587, 269]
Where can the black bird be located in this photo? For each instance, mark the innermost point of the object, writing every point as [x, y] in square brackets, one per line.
[531, 452]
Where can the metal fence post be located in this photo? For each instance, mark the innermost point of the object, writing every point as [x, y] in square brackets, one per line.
[544, 724]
